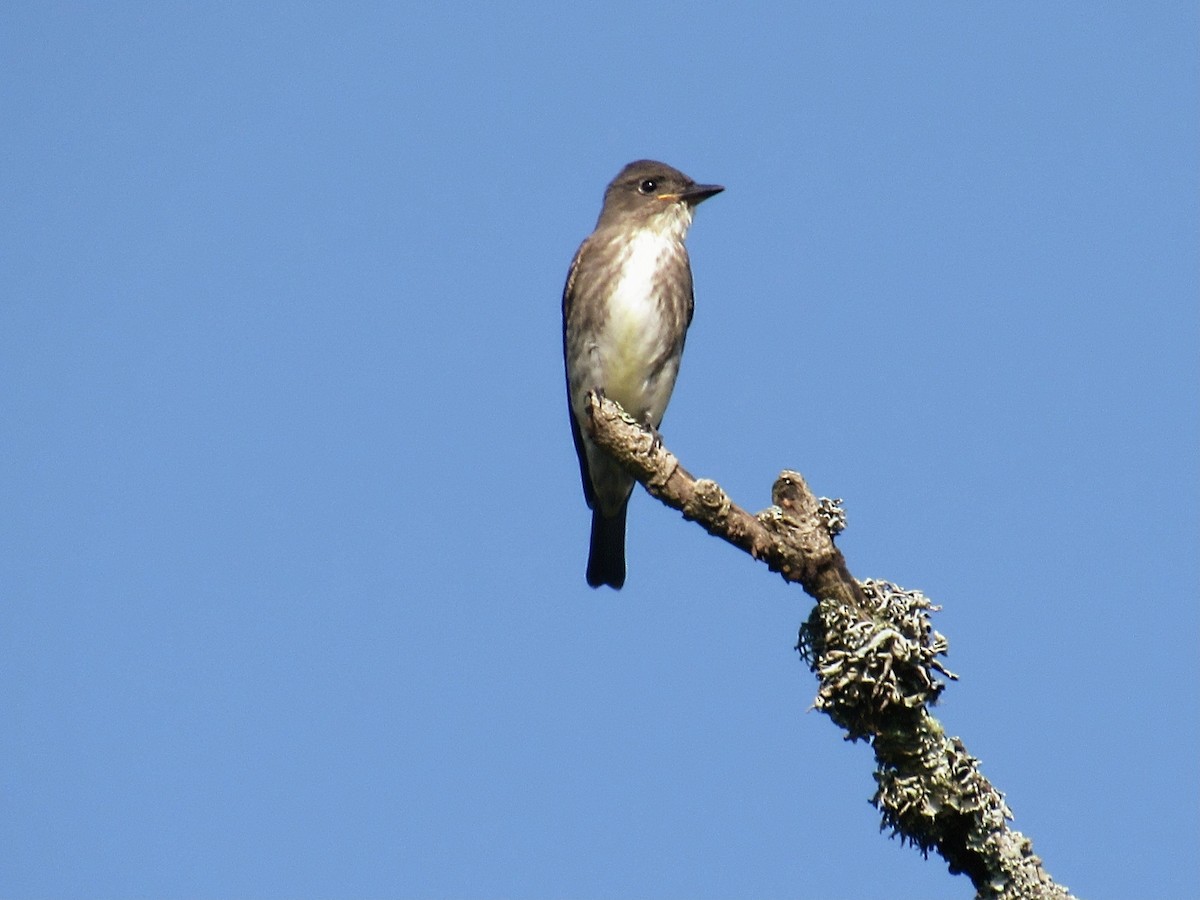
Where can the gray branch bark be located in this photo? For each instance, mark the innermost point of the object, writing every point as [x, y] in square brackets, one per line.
[876, 655]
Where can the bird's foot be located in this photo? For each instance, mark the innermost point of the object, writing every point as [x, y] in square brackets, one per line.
[656, 441]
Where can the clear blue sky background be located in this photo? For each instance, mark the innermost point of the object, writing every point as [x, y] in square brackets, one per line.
[292, 540]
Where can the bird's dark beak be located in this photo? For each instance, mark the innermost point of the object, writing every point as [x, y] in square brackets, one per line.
[698, 193]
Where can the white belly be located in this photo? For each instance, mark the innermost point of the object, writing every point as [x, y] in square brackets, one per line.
[634, 336]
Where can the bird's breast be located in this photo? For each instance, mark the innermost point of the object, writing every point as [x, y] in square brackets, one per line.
[640, 328]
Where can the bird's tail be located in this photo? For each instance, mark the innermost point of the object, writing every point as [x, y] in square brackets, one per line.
[606, 558]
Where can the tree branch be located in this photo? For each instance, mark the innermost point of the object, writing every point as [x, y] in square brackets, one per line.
[875, 652]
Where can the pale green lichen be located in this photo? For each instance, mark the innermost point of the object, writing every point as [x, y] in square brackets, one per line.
[878, 665]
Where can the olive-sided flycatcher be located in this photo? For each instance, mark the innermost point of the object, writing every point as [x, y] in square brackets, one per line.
[626, 310]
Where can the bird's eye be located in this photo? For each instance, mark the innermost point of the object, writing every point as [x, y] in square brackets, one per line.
[649, 186]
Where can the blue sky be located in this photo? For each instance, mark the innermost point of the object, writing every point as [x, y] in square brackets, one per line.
[292, 556]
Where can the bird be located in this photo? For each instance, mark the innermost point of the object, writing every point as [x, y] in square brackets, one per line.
[626, 308]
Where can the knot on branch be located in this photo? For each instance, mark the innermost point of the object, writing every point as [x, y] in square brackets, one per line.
[876, 663]
[802, 549]
[708, 503]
